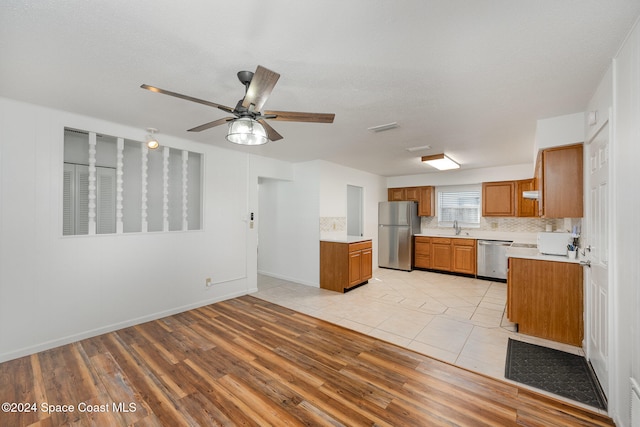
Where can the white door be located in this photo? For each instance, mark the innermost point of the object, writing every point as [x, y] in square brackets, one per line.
[595, 242]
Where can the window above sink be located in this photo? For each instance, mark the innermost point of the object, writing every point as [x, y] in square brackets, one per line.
[459, 203]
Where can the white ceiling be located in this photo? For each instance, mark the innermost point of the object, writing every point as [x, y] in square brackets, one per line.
[468, 77]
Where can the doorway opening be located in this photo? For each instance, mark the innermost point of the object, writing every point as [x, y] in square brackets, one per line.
[355, 215]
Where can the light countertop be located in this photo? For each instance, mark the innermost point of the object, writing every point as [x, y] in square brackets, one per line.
[480, 234]
[532, 253]
[346, 239]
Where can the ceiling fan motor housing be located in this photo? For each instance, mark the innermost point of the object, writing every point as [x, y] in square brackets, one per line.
[245, 77]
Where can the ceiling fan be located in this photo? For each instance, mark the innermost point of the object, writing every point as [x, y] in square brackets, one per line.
[249, 126]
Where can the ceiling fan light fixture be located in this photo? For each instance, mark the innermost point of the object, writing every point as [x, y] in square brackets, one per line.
[246, 131]
[440, 162]
[151, 140]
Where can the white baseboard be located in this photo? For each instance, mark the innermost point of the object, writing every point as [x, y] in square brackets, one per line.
[287, 278]
[635, 403]
[26, 351]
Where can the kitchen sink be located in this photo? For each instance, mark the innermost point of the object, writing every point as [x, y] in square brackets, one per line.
[524, 245]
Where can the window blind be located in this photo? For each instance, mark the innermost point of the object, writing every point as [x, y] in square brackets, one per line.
[461, 206]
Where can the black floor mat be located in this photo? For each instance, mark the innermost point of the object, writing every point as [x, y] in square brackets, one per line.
[555, 371]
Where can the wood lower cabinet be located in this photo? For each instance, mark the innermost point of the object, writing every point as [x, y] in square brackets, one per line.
[463, 252]
[441, 254]
[545, 299]
[456, 255]
[422, 252]
[345, 265]
[360, 263]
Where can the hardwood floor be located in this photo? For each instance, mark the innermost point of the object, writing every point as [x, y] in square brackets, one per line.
[250, 362]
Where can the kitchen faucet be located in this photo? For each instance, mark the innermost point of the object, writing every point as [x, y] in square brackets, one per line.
[456, 227]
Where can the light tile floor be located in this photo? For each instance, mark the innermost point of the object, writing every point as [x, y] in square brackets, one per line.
[456, 319]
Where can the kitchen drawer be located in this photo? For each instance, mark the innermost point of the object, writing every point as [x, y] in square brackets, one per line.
[423, 249]
[422, 261]
[464, 242]
[359, 246]
[441, 240]
[423, 239]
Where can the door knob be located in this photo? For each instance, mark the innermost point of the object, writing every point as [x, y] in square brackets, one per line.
[586, 263]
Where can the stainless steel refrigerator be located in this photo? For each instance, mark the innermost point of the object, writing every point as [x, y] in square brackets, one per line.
[397, 223]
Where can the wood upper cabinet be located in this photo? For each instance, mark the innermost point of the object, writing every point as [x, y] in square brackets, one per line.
[412, 194]
[463, 253]
[426, 206]
[441, 254]
[560, 182]
[525, 207]
[545, 299]
[423, 195]
[344, 265]
[397, 194]
[504, 198]
[498, 198]
[537, 182]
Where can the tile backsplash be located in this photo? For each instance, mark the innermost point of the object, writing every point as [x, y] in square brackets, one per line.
[333, 223]
[338, 224]
[516, 225]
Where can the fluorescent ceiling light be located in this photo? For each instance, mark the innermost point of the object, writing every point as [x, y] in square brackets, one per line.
[422, 147]
[380, 128]
[440, 162]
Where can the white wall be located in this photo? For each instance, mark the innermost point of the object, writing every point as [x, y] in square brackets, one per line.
[290, 213]
[551, 132]
[289, 233]
[261, 169]
[55, 289]
[558, 131]
[333, 199]
[464, 176]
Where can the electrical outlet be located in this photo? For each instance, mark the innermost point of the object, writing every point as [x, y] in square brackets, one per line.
[207, 282]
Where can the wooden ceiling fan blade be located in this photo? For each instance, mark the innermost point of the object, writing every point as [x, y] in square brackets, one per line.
[186, 97]
[211, 124]
[296, 116]
[271, 132]
[260, 88]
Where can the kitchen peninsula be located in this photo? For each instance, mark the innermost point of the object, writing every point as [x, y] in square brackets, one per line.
[544, 295]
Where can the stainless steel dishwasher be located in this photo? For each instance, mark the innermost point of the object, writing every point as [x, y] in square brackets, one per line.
[492, 259]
